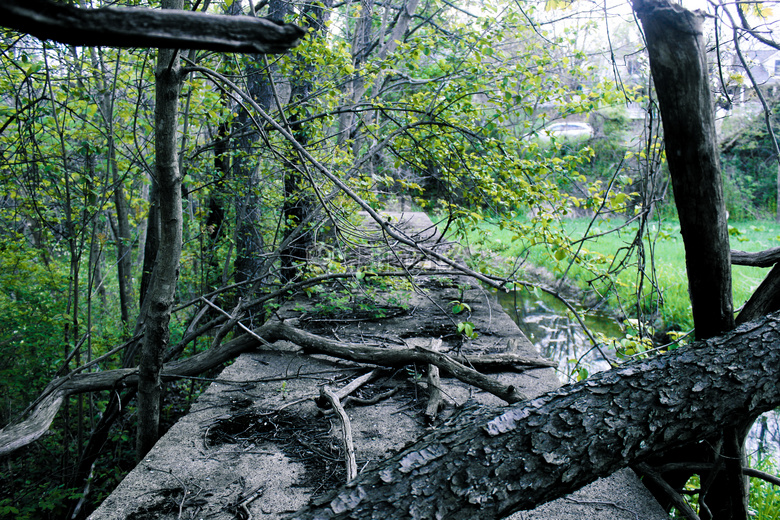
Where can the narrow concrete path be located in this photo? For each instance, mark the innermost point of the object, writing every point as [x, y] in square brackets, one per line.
[255, 443]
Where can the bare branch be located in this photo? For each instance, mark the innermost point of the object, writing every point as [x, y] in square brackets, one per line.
[15, 436]
[766, 258]
[346, 431]
[139, 27]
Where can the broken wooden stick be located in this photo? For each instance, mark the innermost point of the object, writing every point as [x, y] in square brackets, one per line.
[347, 389]
[346, 431]
[434, 382]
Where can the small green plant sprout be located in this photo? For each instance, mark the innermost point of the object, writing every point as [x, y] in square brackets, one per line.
[283, 390]
[459, 306]
[678, 338]
[361, 274]
[577, 372]
[467, 329]
[633, 347]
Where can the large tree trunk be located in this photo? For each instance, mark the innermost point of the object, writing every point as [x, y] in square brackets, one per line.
[678, 61]
[166, 269]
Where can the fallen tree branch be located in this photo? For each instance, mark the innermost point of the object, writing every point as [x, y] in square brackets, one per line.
[15, 436]
[397, 357]
[346, 431]
[139, 27]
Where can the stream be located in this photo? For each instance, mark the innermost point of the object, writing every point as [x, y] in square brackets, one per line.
[558, 335]
[547, 323]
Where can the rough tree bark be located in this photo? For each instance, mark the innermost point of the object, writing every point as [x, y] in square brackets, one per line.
[166, 267]
[678, 62]
[138, 27]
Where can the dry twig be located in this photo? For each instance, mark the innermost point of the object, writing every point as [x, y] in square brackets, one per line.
[346, 431]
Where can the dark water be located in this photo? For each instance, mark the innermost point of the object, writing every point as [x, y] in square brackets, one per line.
[557, 333]
[550, 326]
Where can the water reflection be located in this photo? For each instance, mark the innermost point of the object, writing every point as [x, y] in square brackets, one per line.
[550, 326]
[558, 335]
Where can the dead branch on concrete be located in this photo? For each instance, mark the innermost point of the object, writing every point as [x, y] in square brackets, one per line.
[27, 431]
[346, 431]
[400, 357]
[343, 393]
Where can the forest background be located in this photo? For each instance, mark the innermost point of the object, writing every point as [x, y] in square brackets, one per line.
[421, 104]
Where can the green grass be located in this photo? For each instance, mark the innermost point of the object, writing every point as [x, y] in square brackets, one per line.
[764, 497]
[664, 248]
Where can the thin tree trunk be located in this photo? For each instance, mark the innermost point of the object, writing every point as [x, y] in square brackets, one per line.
[678, 62]
[166, 268]
[297, 195]
[152, 242]
[124, 263]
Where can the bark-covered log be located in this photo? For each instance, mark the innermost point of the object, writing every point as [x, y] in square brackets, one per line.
[678, 61]
[140, 27]
[478, 465]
